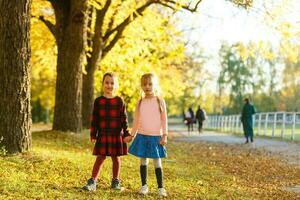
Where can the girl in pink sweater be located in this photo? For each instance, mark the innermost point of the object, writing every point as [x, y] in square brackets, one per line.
[149, 132]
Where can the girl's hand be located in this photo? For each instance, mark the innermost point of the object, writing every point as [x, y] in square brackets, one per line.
[163, 140]
[127, 139]
[93, 140]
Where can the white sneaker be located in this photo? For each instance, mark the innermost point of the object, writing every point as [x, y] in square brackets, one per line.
[162, 192]
[144, 190]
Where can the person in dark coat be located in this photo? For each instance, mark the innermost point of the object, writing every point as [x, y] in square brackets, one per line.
[200, 117]
[190, 119]
[247, 121]
[109, 127]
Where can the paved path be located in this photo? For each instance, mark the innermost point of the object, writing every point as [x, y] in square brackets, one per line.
[288, 151]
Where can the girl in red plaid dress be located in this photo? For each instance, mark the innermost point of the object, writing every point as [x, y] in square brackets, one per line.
[108, 128]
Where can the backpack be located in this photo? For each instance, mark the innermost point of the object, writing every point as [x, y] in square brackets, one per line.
[201, 115]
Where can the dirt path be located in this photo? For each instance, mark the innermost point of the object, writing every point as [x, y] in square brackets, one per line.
[287, 151]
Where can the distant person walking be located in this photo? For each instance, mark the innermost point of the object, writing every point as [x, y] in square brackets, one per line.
[200, 117]
[190, 119]
[247, 121]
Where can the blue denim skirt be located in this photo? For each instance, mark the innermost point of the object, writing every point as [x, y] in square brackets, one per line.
[145, 146]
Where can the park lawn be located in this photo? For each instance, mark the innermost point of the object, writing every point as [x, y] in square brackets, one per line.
[60, 163]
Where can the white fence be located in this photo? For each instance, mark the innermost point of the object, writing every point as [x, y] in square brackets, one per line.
[274, 124]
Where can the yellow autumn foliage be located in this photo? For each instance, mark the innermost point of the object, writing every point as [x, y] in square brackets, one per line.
[150, 43]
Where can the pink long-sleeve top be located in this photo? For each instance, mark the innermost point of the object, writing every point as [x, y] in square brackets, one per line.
[148, 119]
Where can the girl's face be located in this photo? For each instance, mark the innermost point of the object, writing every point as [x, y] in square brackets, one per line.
[147, 87]
[108, 85]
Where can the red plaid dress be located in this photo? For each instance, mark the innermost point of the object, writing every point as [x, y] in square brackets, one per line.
[109, 126]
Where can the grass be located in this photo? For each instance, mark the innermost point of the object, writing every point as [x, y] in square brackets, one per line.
[60, 163]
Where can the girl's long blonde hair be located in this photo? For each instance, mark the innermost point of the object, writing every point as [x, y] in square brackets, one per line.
[151, 76]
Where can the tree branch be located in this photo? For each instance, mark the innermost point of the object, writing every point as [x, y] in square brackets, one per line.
[96, 41]
[188, 7]
[243, 3]
[111, 23]
[134, 15]
[120, 28]
[166, 5]
[55, 4]
[89, 38]
[112, 43]
[101, 15]
[50, 26]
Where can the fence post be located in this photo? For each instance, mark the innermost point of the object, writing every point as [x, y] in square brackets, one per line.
[259, 124]
[293, 126]
[215, 122]
[227, 123]
[220, 122]
[223, 123]
[236, 123]
[283, 124]
[266, 124]
[231, 123]
[274, 124]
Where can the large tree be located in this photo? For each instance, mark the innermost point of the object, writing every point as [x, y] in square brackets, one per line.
[104, 32]
[73, 18]
[15, 118]
[70, 34]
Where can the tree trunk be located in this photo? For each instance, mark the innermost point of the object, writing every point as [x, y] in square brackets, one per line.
[71, 26]
[15, 117]
[88, 86]
[87, 97]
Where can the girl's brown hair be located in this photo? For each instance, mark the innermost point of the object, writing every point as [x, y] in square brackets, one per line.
[109, 74]
[112, 75]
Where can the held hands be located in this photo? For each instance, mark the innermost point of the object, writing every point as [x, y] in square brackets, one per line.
[163, 140]
[127, 139]
[93, 140]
